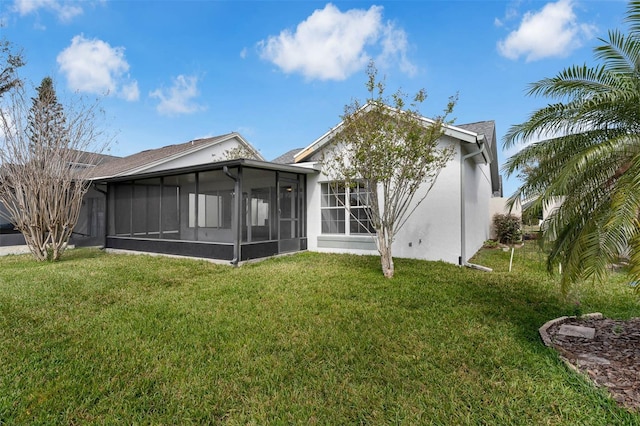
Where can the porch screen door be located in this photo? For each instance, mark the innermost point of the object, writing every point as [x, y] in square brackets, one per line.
[289, 216]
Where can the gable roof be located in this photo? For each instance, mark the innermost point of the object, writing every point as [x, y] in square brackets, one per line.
[141, 161]
[488, 130]
[481, 133]
[456, 132]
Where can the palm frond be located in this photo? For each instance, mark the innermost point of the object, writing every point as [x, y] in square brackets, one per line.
[619, 53]
[573, 82]
[586, 150]
[633, 17]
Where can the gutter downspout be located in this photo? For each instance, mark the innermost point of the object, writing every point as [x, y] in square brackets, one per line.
[463, 225]
[95, 187]
[236, 218]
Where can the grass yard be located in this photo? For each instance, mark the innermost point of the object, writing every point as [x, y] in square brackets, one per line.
[312, 338]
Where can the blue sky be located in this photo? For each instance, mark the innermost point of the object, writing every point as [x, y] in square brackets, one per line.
[281, 72]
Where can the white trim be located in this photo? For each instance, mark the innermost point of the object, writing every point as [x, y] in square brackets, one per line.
[455, 132]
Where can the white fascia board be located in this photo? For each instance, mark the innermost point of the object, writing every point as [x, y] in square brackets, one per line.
[100, 178]
[461, 134]
[316, 145]
[313, 165]
[449, 130]
[455, 132]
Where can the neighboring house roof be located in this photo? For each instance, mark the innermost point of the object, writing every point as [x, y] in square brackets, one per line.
[93, 159]
[141, 161]
[288, 157]
[79, 162]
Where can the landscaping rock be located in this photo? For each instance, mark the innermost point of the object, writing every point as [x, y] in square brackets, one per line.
[611, 358]
[577, 331]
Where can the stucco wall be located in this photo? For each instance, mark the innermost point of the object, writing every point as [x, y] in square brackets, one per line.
[433, 231]
[477, 205]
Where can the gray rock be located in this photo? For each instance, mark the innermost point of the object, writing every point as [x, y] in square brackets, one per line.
[577, 331]
[586, 359]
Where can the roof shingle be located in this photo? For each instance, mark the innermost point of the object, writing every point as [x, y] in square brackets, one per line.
[150, 157]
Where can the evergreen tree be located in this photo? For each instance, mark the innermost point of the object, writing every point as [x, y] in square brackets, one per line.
[46, 122]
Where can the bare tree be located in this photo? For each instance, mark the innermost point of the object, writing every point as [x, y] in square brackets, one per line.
[389, 155]
[10, 62]
[46, 156]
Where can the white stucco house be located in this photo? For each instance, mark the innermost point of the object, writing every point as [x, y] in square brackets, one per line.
[192, 199]
[451, 224]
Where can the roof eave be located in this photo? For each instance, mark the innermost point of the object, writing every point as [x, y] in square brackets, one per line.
[265, 165]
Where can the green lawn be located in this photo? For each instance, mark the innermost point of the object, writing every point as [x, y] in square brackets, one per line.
[312, 338]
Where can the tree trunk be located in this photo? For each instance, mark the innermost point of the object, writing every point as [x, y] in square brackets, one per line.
[36, 244]
[386, 259]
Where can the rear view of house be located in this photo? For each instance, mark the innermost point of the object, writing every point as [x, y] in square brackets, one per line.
[451, 224]
[217, 198]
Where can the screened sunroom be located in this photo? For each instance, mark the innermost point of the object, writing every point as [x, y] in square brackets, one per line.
[233, 210]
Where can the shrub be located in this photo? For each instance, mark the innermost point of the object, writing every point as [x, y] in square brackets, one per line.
[508, 228]
[490, 244]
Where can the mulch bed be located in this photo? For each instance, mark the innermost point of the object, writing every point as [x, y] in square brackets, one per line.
[611, 359]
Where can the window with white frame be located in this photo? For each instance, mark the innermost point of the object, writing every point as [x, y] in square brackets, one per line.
[344, 209]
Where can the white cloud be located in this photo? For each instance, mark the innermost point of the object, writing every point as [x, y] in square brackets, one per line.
[332, 45]
[510, 14]
[179, 98]
[243, 53]
[65, 10]
[551, 32]
[130, 92]
[93, 66]
[394, 49]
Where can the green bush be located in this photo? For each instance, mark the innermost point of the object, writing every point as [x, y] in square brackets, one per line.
[490, 244]
[508, 228]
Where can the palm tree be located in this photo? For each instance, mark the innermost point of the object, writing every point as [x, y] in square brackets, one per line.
[590, 156]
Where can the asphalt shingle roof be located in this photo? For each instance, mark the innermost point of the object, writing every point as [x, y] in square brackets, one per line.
[149, 157]
[287, 157]
[486, 128]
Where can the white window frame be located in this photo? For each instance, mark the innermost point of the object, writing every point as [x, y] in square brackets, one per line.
[342, 201]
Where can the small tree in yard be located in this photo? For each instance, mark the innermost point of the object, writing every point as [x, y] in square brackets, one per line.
[45, 153]
[390, 150]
